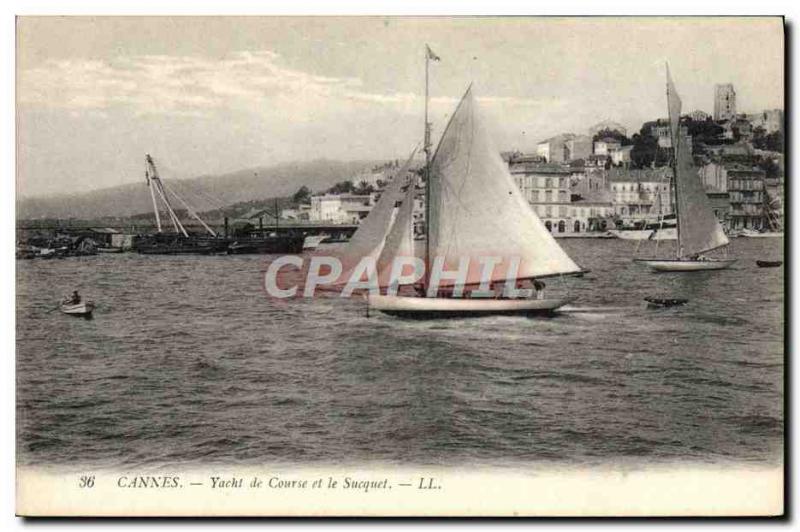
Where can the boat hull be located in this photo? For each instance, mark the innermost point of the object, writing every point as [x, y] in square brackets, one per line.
[749, 233]
[764, 235]
[174, 245]
[266, 245]
[312, 242]
[645, 234]
[84, 308]
[681, 265]
[433, 308]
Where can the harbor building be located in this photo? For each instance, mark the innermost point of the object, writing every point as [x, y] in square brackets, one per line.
[746, 189]
[721, 205]
[597, 161]
[578, 147]
[606, 146]
[724, 101]
[340, 208]
[377, 175]
[554, 149]
[301, 213]
[714, 177]
[591, 208]
[622, 156]
[568, 199]
[770, 120]
[590, 214]
[547, 188]
[661, 131]
[640, 194]
[699, 116]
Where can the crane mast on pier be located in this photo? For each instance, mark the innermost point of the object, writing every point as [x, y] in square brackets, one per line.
[160, 190]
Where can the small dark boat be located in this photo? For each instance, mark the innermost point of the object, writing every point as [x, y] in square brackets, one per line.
[172, 244]
[665, 302]
[769, 263]
[289, 243]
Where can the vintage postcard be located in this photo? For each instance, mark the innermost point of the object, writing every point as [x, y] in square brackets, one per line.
[400, 266]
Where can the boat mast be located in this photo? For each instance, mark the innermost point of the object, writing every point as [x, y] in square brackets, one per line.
[427, 148]
[674, 164]
[155, 180]
[277, 217]
[153, 197]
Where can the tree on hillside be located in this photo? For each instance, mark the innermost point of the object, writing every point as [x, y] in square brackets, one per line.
[342, 187]
[613, 134]
[705, 132]
[303, 195]
[646, 151]
[774, 141]
[759, 138]
[770, 167]
[364, 188]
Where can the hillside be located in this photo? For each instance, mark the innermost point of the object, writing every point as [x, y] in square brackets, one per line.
[204, 192]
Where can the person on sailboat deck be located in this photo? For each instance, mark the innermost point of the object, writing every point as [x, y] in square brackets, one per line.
[539, 286]
[525, 284]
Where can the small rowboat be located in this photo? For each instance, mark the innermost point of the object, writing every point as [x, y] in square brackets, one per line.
[665, 302]
[769, 263]
[312, 242]
[84, 308]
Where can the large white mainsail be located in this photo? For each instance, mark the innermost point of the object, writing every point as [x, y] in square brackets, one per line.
[477, 210]
[698, 228]
[369, 238]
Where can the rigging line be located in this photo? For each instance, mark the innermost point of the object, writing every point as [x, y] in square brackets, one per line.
[172, 216]
[178, 197]
[191, 211]
[187, 191]
[176, 222]
[216, 204]
[216, 201]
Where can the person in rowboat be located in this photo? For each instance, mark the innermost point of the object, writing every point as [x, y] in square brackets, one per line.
[75, 299]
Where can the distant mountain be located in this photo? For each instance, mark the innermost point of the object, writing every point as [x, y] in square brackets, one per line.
[203, 193]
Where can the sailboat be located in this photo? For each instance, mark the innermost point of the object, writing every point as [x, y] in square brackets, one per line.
[473, 209]
[698, 230]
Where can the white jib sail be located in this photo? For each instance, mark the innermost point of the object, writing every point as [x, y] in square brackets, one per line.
[399, 242]
[369, 238]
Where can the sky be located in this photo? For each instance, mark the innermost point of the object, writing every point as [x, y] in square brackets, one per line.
[209, 95]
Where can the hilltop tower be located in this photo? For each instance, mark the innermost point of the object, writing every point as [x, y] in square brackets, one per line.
[724, 101]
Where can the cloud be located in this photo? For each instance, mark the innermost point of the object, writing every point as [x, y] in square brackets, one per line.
[254, 81]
